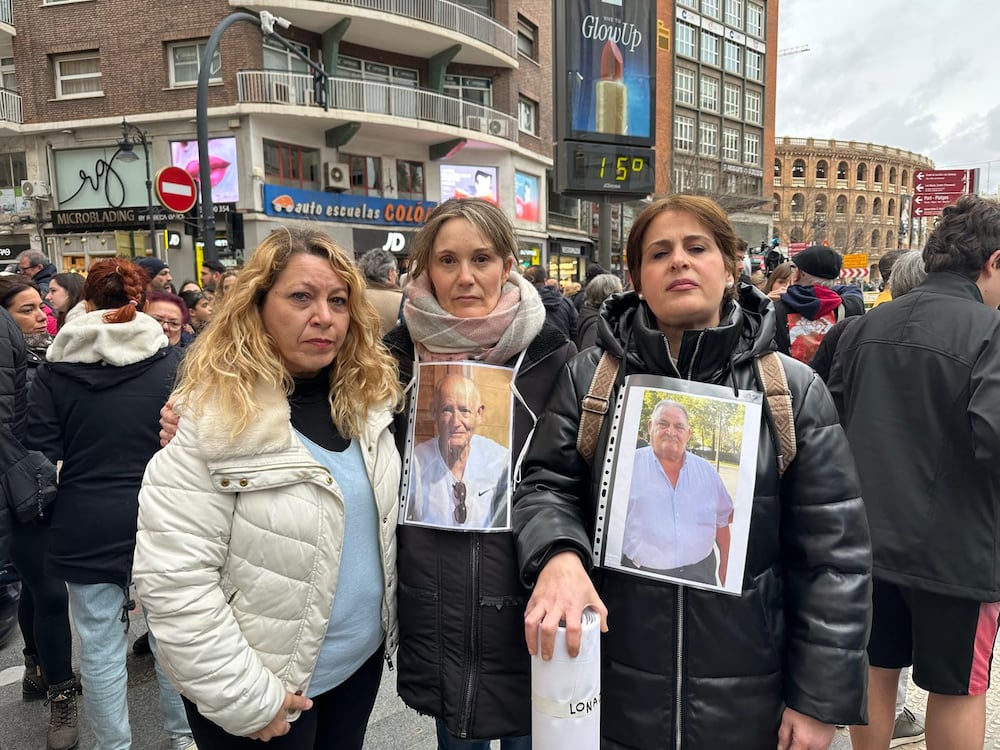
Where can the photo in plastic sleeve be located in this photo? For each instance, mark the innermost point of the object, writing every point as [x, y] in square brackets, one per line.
[682, 483]
[457, 460]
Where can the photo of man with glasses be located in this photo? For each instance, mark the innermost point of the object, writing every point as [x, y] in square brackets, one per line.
[459, 479]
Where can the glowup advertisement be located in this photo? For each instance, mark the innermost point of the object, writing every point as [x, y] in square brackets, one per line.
[608, 48]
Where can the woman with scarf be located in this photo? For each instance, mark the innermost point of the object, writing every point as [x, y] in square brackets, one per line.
[466, 302]
[784, 661]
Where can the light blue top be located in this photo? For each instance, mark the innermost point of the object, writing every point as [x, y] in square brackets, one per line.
[666, 526]
[355, 629]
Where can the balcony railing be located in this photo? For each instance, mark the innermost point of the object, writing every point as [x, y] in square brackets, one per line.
[7, 13]
[371, 97]
[10, 107]
[446, 14]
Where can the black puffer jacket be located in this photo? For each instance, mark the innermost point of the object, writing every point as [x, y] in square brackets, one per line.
[797, 634]
[13, 404]
[461, 653]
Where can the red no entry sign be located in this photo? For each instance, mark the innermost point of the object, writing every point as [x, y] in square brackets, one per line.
[175, 189]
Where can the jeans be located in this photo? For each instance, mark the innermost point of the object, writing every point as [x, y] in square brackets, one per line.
[175, 722]
[96, 610]
[448, 742]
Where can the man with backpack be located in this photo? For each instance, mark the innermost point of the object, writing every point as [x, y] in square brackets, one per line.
[813, 303]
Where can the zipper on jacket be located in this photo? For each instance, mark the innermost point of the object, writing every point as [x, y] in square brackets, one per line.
[694, 357]
[679, 677]
[38, 494]
[388, 660]
[473, 665]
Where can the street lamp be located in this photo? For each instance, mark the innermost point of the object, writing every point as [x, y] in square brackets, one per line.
[131, 137]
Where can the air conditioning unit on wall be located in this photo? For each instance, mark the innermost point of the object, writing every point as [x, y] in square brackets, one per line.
[336, 176]
[499, 128]
[33, 189]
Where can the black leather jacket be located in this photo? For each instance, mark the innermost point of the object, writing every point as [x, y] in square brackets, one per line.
[462, 656]
[13, 408]
[707, 669]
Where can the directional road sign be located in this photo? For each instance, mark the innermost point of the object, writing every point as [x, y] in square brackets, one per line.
[933, 189]
[175, 189]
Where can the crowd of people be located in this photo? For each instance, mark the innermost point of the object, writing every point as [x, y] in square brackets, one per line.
[292, 515]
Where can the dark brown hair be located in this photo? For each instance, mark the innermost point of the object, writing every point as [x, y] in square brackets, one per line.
[707, 212]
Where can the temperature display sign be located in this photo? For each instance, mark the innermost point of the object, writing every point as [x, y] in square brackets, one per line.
[588, 168]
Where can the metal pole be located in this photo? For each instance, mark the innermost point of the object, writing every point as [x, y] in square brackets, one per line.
[604, 235]
[149, 196]
[201, 107]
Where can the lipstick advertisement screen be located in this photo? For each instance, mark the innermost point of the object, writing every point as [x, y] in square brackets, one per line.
[610, 60]
[222, 155]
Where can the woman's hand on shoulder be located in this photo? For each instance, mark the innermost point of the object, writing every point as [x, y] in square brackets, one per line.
[279, 724]
[563, 590]
[168, 424]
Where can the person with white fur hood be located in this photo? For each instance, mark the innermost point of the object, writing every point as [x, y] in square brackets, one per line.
[95, 406]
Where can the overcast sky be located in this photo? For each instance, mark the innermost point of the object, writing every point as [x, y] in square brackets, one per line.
[922, 76]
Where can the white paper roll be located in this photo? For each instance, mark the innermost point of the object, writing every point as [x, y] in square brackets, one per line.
[566, 693]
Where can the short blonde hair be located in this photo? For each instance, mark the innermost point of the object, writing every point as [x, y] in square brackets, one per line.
[236, 352]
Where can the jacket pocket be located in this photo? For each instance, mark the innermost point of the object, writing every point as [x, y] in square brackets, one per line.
[419, 658]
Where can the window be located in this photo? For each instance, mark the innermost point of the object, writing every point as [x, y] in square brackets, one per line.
[470, 89]
[13, 170]
[685, 39]
[527, 38]
[484, 7]
[892, 208]
[877, 207]
[777, 168]
[527, 115]
[842, 170]
[682, 179]
[753, 107]
[710, 93]
[708, 139]
[732, 103]
[860, 205]
[798, 169]
[732, 61]
[841, 207]
[862, 172]
[821, 169]
[755, 20]
[279, 58]
[8, 79]
[410, 180]
[731, 144]
[185, 64]
[292, 166]
[684, 86]
[706, 181]
[78, 76]
[711, 8]
[754, 65]
[709, 48]
[798, 203]
[734, 13]
[683, 133]
[751, 149]
[693, 4]
[366, 174]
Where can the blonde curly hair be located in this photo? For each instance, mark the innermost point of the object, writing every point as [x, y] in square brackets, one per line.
[235, 352]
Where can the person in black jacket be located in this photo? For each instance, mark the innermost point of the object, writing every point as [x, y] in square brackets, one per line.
[916, 383]
[95, 406]
[12, 404]
[461, 603]
[599, 289]
[777, 666]
[559, 311]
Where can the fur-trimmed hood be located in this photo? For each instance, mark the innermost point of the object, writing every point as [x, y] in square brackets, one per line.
[87, 339]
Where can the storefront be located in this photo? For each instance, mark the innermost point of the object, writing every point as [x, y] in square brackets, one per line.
[569, 257]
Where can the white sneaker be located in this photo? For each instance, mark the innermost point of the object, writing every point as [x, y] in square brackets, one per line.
[182, 742]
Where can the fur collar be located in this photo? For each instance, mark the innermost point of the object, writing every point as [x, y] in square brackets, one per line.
[269, 433]
[87, 339]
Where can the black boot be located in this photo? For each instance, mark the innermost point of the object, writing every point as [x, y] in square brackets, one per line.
[62, 734]
[34, 686]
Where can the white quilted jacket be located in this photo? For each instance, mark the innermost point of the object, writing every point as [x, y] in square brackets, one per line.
[237, 556]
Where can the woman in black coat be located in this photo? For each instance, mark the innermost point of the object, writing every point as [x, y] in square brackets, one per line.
[688, 668]
[461, 604]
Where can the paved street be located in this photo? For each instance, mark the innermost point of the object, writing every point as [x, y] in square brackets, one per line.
[392, 727]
